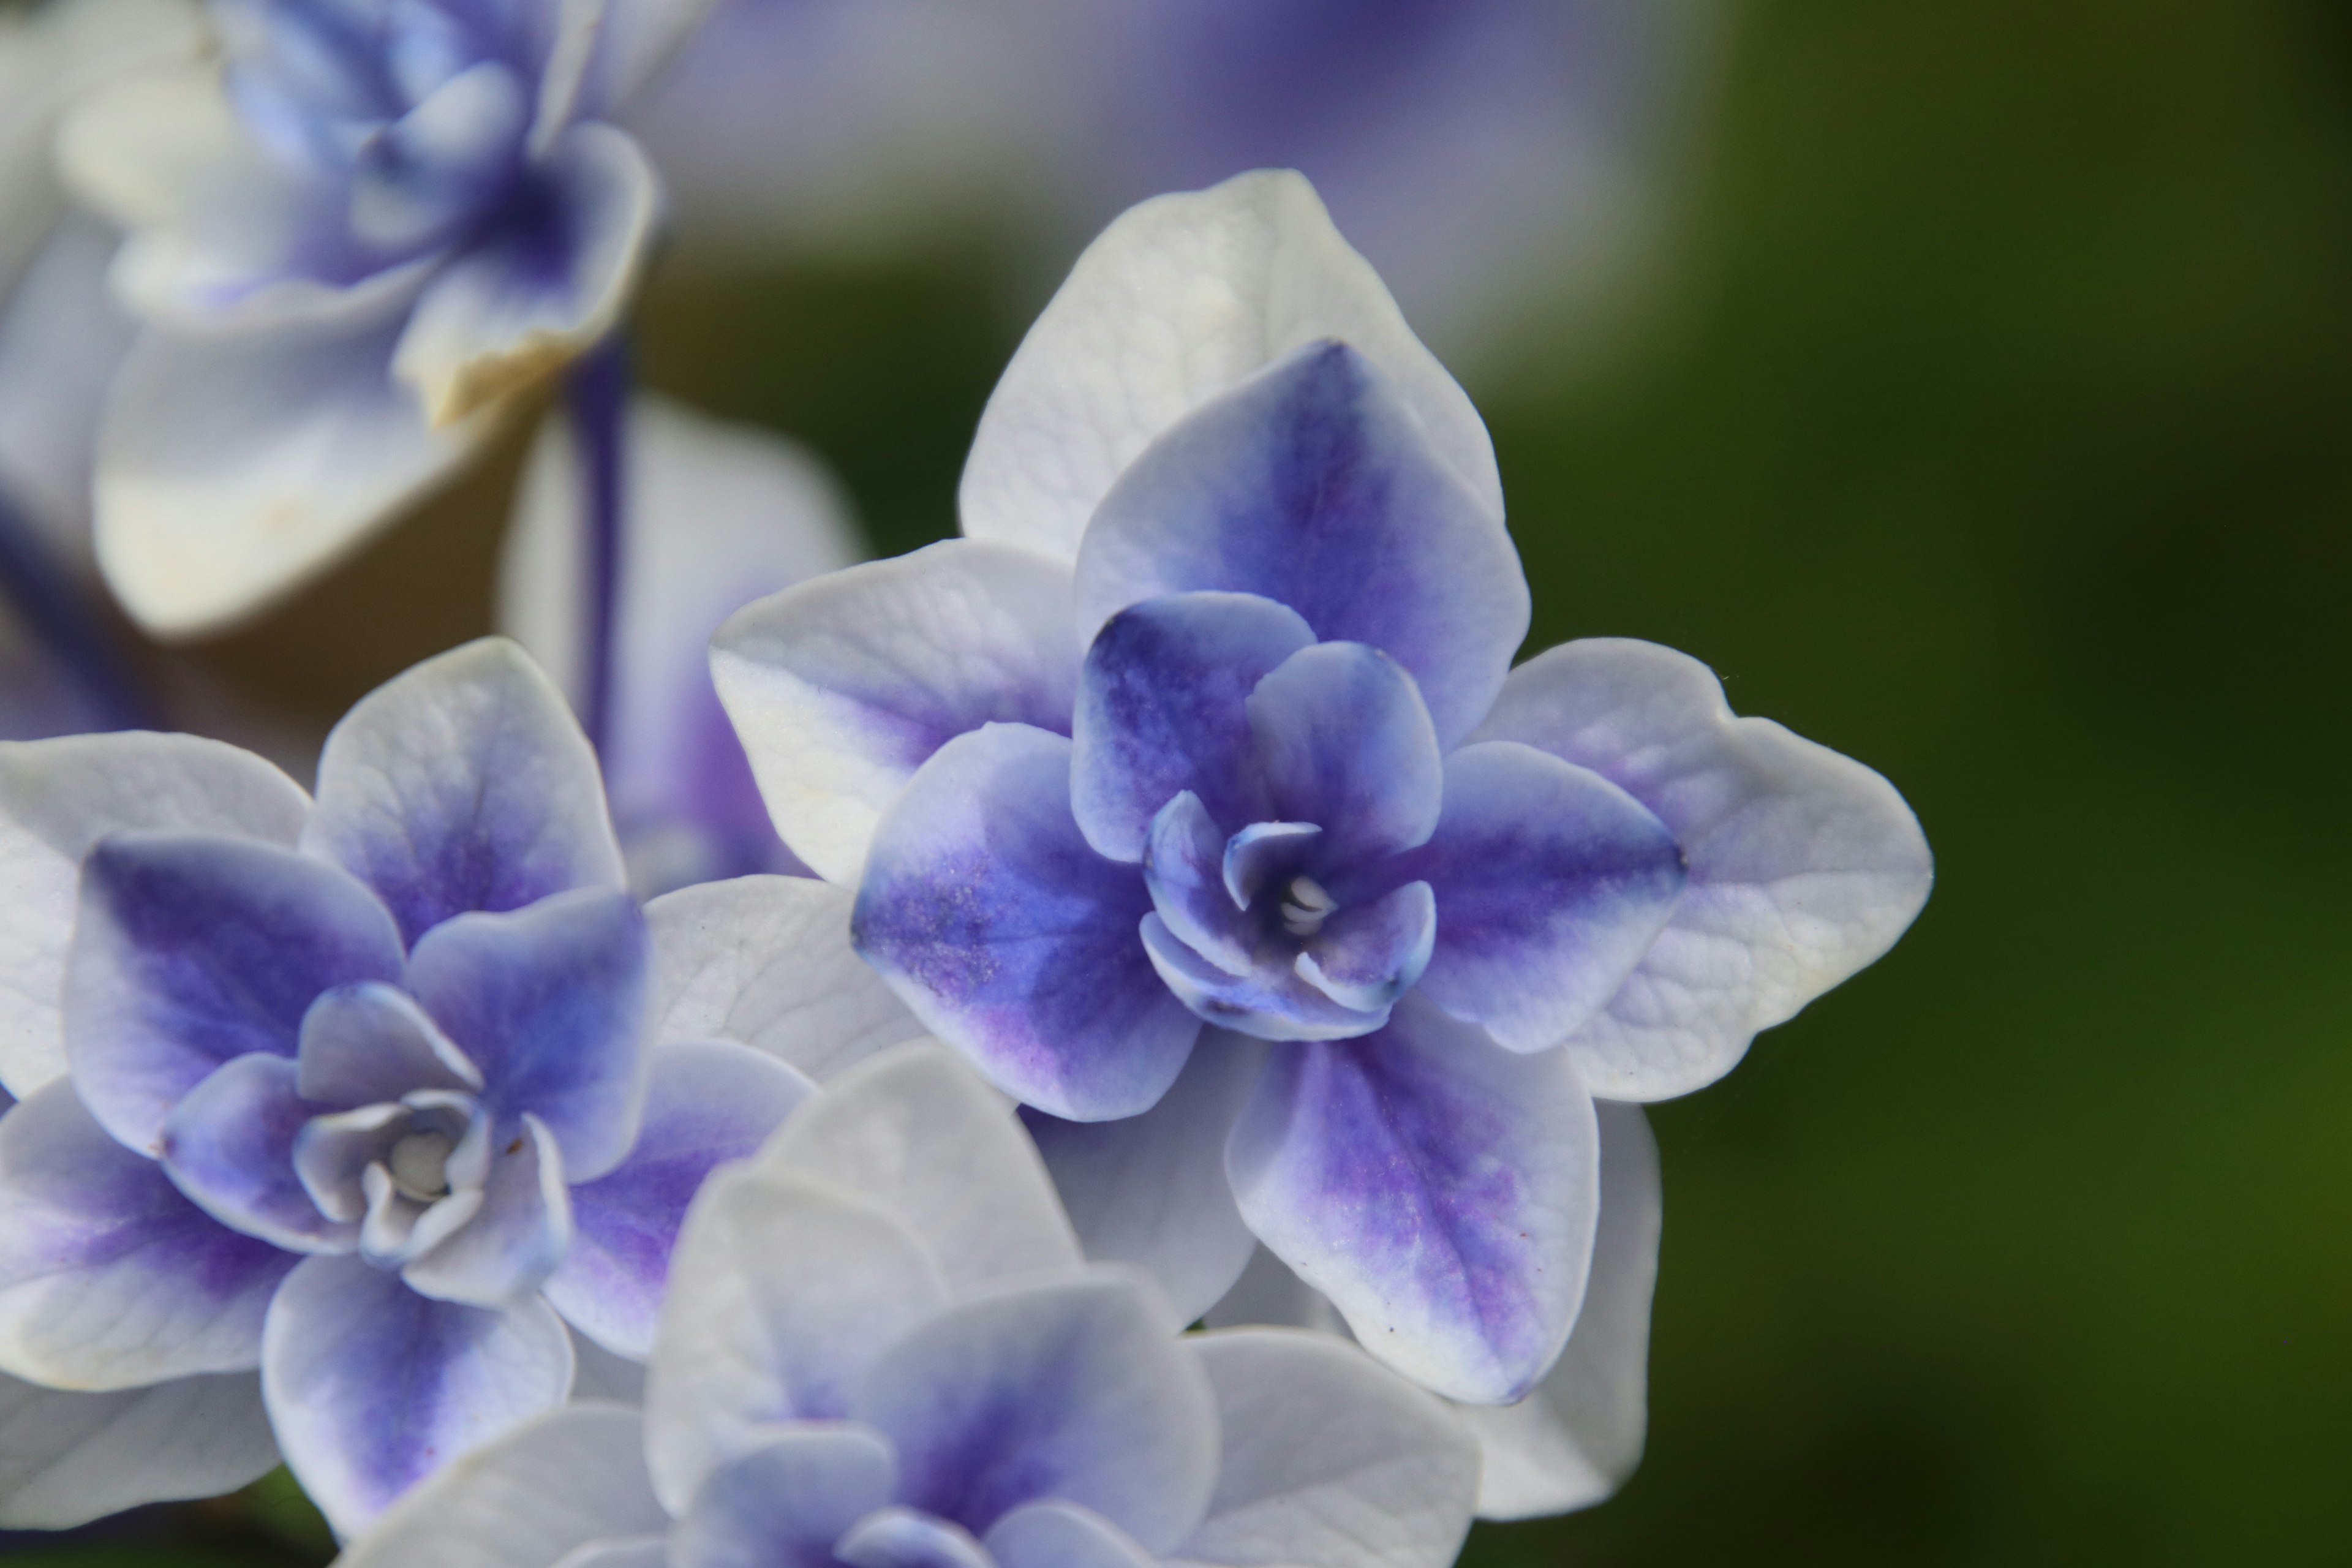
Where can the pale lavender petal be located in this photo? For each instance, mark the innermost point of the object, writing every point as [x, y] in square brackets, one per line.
[903, 1538]
[464, 784]
[1273, 1002]
[109, 1276]
[509, 1245]
[785, 1503]
[369, 1043]
[1012, 938]
[1368, 955]
[1076, 1390]
[1314, 485]
[373, 1387]
[550, 1002]
[1346, 743]
[332, 1150]
[707, 1103]
[1062, 1535]
[1804, 865]
[1184, 868]
[1150, 1190]
[1160, 711]
[229, 1146]
[1264, 852]
[191, 950]
[67, 1457]
[1440, 1189]
[1551, 884]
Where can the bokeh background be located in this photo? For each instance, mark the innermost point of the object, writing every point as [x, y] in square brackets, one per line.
[1977, 398]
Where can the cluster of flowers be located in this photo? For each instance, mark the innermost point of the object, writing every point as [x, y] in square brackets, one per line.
[793, 1120]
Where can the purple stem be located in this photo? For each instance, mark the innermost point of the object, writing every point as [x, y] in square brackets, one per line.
[68, 627]
[599, 390]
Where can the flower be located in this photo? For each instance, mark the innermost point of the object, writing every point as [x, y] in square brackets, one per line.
[1203, 751]
[359, 1091]
[717, 515]
[351, 239]
[883, 1349]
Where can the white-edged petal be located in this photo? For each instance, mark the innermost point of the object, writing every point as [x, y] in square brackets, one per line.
[57, 797]
[1181, 298]
[67, 1459]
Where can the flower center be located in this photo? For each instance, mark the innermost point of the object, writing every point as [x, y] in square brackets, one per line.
[420, 1165]
[1305, 906]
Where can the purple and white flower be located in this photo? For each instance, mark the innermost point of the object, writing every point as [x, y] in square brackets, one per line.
[1201, 758]
[352, 238]
[717, 515]
[883, 1349]
[359, 1091]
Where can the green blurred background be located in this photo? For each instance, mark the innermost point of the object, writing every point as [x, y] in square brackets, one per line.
[1984, 410]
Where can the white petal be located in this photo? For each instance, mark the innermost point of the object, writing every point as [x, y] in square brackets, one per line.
[1269, 1294]
[916, 1133]
[496, 320]
[640, 36]
[840, 689]
[1181, 298]
[62, 336]
[1574, 1441]
[59, 797]
[766, 961]
[1330, 1462]
[232, 469]
[563, 1482]
[67, 1459]
[1805, 866]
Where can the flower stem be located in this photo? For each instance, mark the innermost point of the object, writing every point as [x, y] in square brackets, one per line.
[599, 392]
[68, 628]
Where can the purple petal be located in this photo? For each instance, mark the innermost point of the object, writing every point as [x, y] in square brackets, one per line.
[707, 1103]
[551, 1003]
[1368, 955]
[1273, 1002]
[1440, 1190]
[373, 1387]
[191, 950]
[109, 1276]
[784, 1504]
[1265, 852]
[229, 1145]
[1010, 938]
[1804, 865]
[1312, 485]
[1551, 884]
[1062, 1535]
[464, 784]
[371, 1042]
[509, 1245]
[1074, 1390]
[1150, 1190]
[1346, 743]
[1184, 868]
[1160, 711]
[902, 1538]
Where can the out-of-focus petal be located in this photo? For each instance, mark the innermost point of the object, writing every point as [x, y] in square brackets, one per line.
[62, 335]
[1805, 866]
[786, 1503]
[110, 1278]
[373, 1387]
[1314, 485]
[1440, 1189]
[57, 797]
[1005, 933]
[464, 783]
[841, 688]
[67, 1459]
[1062, 1535]
[1181, 299]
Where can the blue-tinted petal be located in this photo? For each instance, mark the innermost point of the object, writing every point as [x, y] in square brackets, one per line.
[1273, 1002]
[1551, 885]
[373, 1387]
[189, 951]
[1346, 743]
[1312, 485]
[464, 784]
[1076, 1390]
[369, 1043]
[1263, 852]
[904, 1537]
[1160, 711]
[1440, 1190]
[509, 1245]
[332, 1150]
[1368, 955]
[109, 1277]
[1184, 865]
[1012, 938]
[707, 1103]
[1062, 1535]
[550, 1003]
[229, 1145]
[784, 1504]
